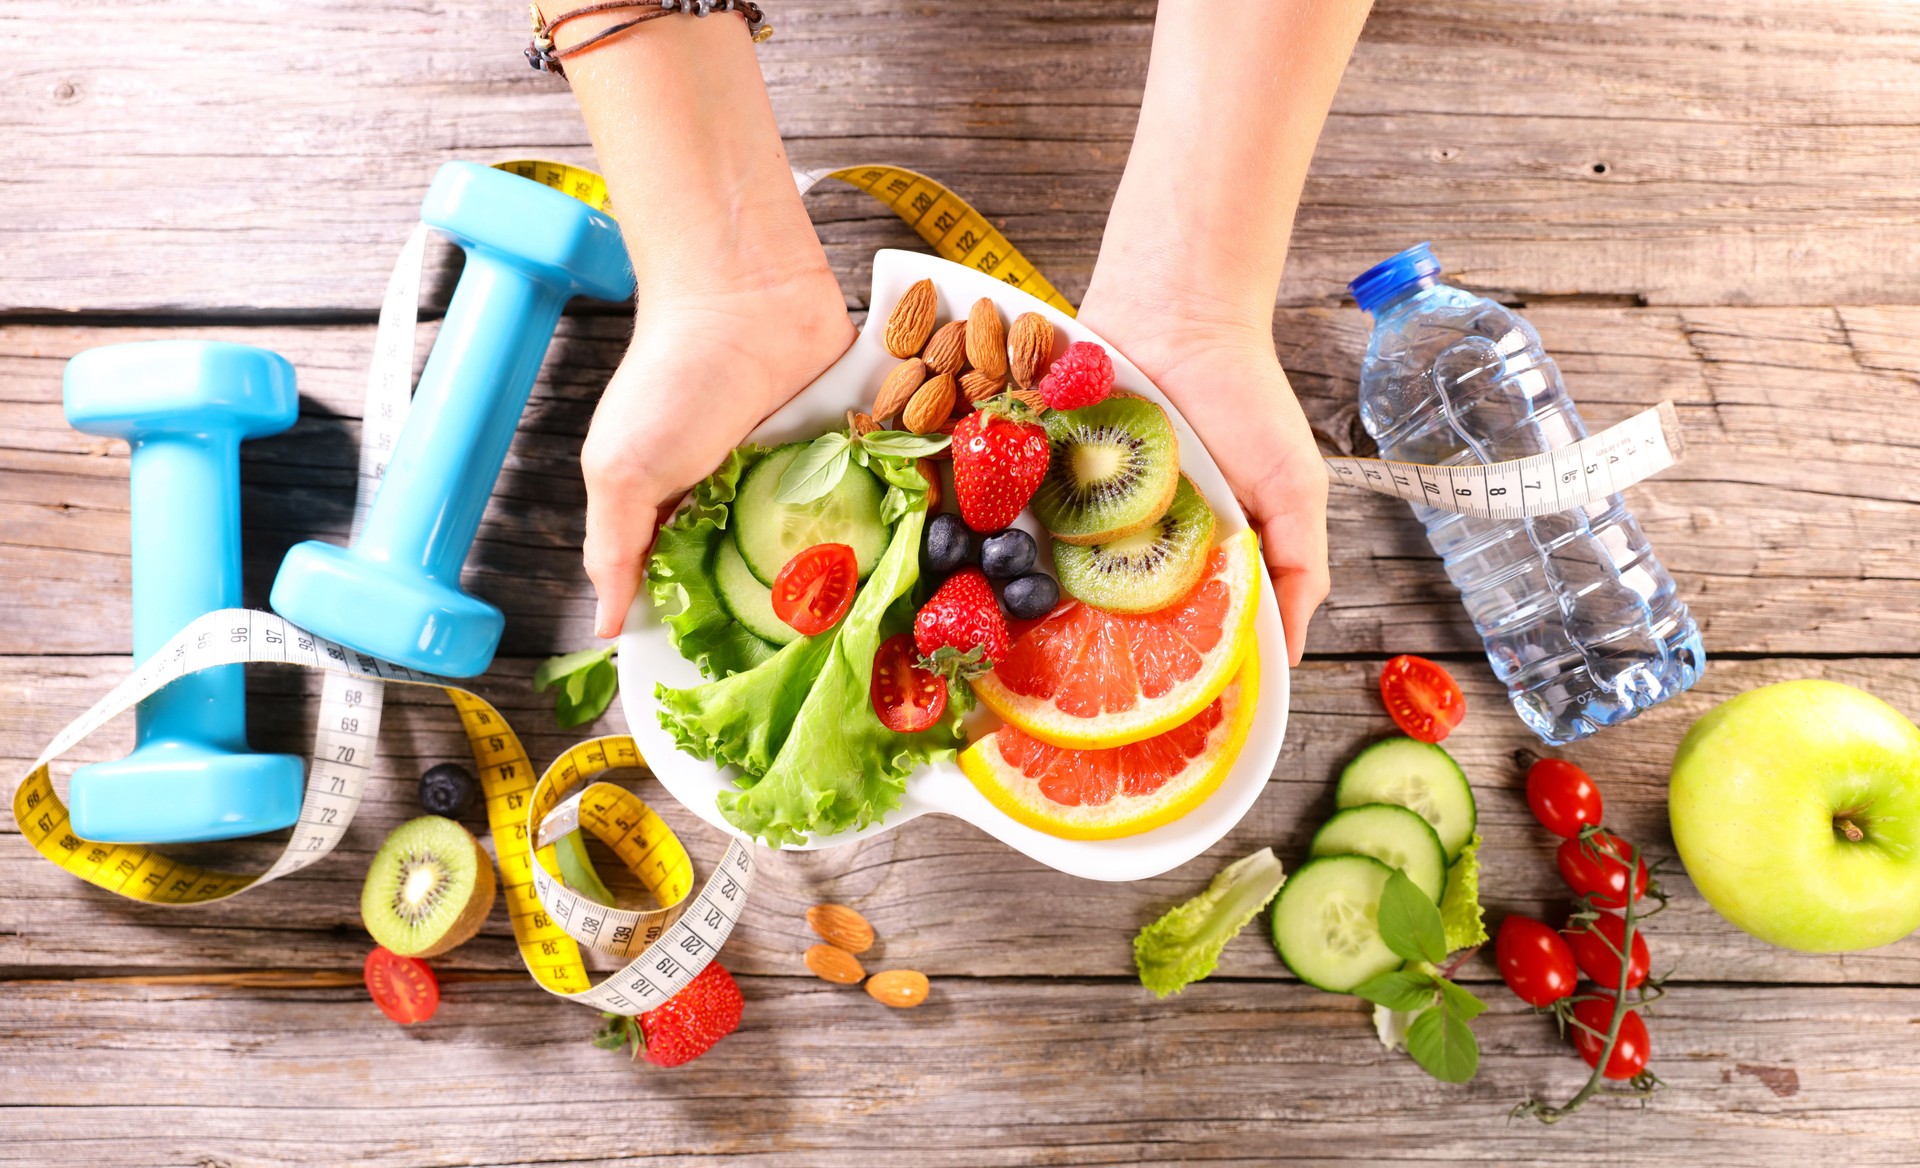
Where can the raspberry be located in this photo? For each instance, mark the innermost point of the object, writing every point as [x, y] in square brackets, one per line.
[1082, 376]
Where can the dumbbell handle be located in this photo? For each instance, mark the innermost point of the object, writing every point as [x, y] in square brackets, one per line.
[464, 413]
[186, 562]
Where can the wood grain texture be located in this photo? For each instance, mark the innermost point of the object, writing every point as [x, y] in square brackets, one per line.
[988, 1072]
[1656, 151]
[944, 897]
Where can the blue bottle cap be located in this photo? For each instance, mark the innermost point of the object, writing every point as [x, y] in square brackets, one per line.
[1415, 267]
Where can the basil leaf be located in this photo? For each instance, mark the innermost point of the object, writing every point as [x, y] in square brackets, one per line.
[902, 444]
[1461, 1001]
[1410, 922]
[1403, 989]
[1443, 1044]
[567, 664]
[589, 699]
[817, 470]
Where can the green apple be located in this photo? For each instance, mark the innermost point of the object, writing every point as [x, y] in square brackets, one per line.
[1796, 808]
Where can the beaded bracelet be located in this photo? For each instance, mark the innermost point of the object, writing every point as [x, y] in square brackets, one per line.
[542, 55]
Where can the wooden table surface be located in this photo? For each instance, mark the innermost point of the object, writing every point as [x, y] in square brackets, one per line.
[1714, 203]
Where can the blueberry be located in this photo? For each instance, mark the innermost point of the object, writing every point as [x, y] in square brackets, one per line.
[949, 544]
[447, 789]
[1006, 554]
[1032, 596]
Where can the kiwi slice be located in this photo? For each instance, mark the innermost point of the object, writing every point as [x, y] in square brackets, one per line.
[428, 889]
[1113, 470]
[1148, 570]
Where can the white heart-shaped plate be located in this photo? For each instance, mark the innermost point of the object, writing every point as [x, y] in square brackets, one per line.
[648, 658]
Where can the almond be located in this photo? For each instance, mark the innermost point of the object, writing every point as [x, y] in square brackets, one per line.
[839, 925]
[898, 389]
[931, 405]
[911, 322]
[1030, 348]
[899, 988]
[1029, 398]
[986, 339]
[977, 385]
[947, 351]
[835, 965]
[932, 476]
[859, 424]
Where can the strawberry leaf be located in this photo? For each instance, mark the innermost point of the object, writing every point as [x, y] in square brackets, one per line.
[954, 665]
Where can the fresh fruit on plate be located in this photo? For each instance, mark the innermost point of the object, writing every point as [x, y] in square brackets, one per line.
[906, 698]
[429, 888]
[1089, 679]
[816, 588]
[1113, 470]
[1006, 554]
[770, 533]
[948, 545]
[1083, 376]
[1796, 809]
[960, 626]
[403, 987]
[1031, 596]
[999, 458]
[1123, 790]
[1425, 701]
[1148, 570]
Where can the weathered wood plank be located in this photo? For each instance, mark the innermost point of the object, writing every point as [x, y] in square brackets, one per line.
[1793, 527]
[944, 897]
[1738, 154]
[988, 1072]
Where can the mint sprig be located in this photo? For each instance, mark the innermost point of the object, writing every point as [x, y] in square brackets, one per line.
[1439, 1039]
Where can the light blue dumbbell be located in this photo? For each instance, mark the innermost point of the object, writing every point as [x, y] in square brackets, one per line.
[185, 406]
[396, 593]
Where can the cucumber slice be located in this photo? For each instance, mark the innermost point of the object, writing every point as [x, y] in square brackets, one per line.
[750, 601]
[1392, 835]
[1326, 923]
[772, 533]
[1418, 776]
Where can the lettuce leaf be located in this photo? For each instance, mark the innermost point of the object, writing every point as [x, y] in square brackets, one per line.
[800, 726]
[1460, 913]
[1184, 945]
[680, 576]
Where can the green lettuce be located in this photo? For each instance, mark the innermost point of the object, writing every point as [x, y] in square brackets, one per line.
[800, 727]
[680, 576]
[1184, 945]
[1460, 913]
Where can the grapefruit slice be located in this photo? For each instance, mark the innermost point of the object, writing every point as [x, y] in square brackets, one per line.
[1091, 680]
[1125, 790]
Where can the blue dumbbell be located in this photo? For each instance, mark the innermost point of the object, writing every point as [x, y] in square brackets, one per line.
[395, 594]
[185, 406]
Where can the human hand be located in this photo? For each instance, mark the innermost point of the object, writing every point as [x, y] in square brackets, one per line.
[701, 372]
[1227, 383]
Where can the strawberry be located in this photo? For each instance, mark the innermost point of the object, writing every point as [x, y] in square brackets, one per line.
[999, 458]
[685, 1027]
[960, 630]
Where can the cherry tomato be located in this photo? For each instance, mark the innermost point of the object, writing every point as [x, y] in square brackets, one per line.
[403, 987]
[907, 698]
[1425, 701]
[1596, 867]
[1629, 1053]
[1562, 796]
[1596, 947]
[816, 587]
[1535, 961]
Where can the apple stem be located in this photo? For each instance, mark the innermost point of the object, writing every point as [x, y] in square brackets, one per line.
[1850, 829]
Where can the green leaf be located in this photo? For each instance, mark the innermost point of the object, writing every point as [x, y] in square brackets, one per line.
[1460, 1000]
[584, 702]
[817, 471]
[1443, 1044]
[1409, 921]
[903, 444]
[1184, 945]
[576, 867]
[1401, 989]
[680, 577]
[1460, 903]
[567, 664]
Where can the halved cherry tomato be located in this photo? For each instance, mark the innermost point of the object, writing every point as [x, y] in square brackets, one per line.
[1596, 947]
[403, 987]
[1562, 796]
[1535, 961]
[1425, 701]
[815, 588]
[1596, 867]
[907, 698]
[1629, 1052]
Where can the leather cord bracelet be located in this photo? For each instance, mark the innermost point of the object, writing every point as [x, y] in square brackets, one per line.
[541, 53]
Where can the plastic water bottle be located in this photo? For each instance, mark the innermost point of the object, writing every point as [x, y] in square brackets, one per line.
[1581, 622]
